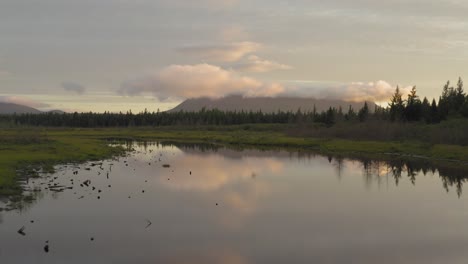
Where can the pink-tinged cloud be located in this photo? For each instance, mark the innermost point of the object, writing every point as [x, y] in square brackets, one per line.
[4, 74]
[220, 173]
[256, 64]
[202, 80]
[23, 101]
[223, 52]
[379, 91]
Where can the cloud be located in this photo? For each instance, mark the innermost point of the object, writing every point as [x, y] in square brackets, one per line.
[4, 74]
[220, 173]
[73, 87]
[379, 91]
[256, 64]
[202, 80]
[208, 4]
[222, 52]
[233, 33]
[23, 101]
[359, 91]
[220, 3]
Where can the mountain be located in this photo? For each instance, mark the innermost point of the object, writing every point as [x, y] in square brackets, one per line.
[266, 104]
[8, 108]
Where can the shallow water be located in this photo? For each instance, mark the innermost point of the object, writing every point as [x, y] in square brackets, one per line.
[216, 205]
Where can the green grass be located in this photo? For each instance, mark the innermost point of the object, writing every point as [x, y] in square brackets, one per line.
[27, 148]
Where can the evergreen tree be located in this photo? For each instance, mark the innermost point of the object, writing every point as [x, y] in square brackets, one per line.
[426, 111]
[330, 117]
[435, 115]
[464, 108]
[459, 99]
[363, 113]
[397, 106]
[351, 114]
[413, 106]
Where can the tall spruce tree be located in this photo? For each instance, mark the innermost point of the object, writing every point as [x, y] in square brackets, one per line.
[397, 106]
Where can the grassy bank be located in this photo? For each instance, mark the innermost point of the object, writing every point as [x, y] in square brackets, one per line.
[43, 148]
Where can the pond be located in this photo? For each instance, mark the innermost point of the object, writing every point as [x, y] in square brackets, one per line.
[181, 203]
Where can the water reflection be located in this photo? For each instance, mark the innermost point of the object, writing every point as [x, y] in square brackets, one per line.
[397, 169]
[213, 204]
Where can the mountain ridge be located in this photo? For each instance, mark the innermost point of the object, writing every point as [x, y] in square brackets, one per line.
[11, 108]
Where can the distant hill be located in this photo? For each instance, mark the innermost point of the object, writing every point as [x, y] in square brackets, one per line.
[8, 108]
[56, 111]
[266, 104]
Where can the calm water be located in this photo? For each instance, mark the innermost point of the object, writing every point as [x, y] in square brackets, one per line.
[236, 207]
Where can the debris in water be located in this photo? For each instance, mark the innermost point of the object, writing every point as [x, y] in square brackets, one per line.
[166, 165]
[46, 248]
[149, 223]
[21, 231]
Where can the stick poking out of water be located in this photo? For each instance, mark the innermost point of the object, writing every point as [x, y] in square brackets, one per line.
[149, 223]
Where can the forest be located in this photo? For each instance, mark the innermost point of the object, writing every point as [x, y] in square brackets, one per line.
[453, 102]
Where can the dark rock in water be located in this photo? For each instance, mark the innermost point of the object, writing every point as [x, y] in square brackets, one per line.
[21, 231]
[92, 239]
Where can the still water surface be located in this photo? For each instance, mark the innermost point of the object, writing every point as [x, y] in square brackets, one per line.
[217, 205]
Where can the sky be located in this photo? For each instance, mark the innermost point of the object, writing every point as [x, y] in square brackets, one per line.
[117, 55]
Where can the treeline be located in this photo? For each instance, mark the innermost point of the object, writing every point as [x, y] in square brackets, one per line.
[452, 102]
